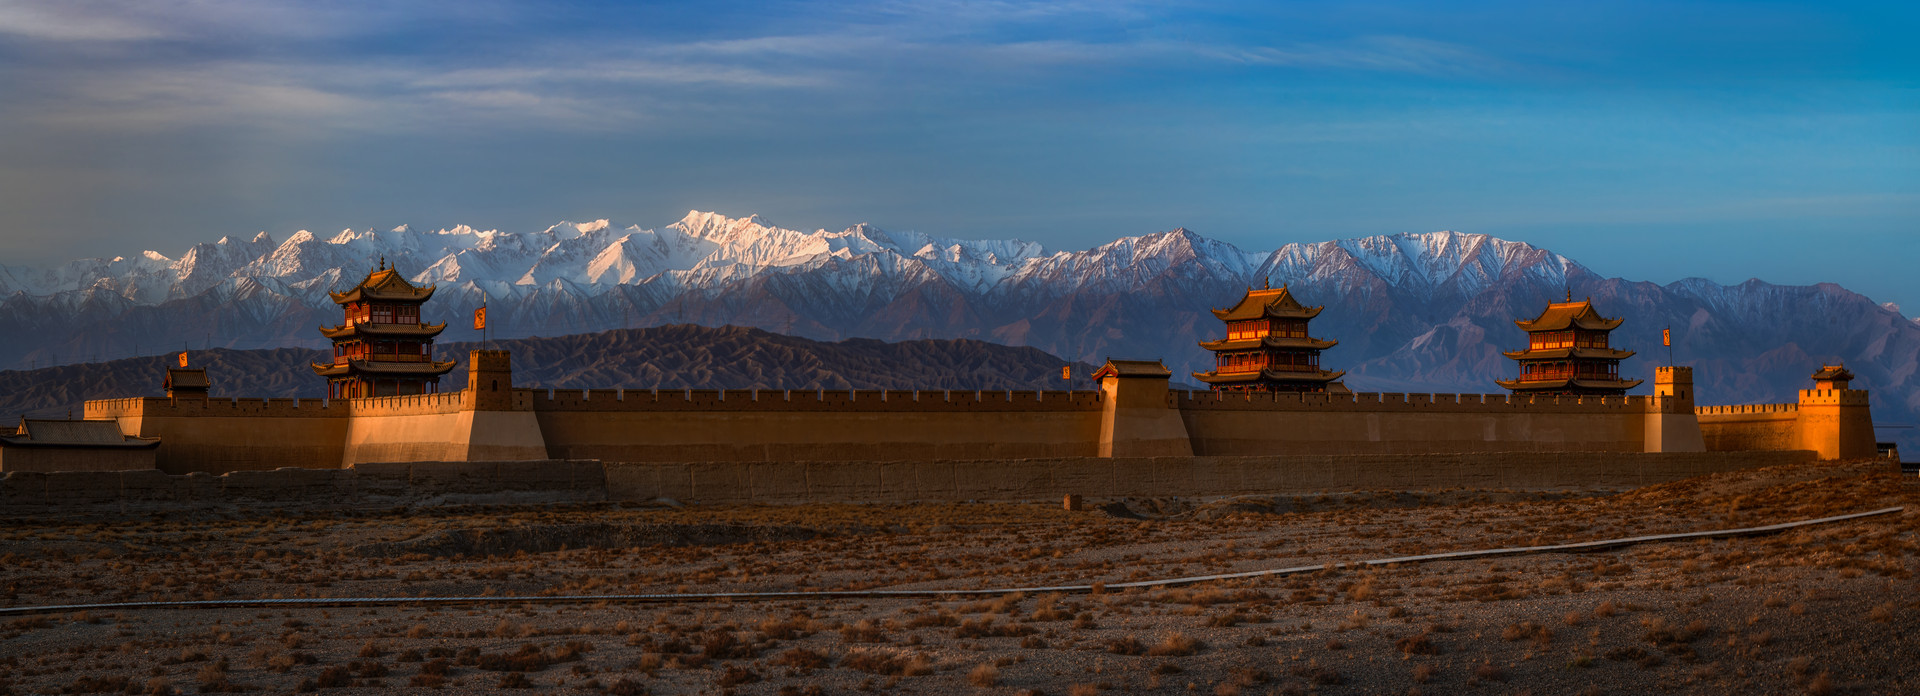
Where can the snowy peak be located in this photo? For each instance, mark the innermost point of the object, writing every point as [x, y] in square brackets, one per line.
[1429, 264]
[720, 227]
[704, 251]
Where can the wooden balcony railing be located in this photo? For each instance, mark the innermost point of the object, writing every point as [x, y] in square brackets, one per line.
[1235, 369]
[1547, 376]
[382, 357]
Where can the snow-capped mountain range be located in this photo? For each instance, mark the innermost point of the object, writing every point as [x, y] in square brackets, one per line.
[705, 251]
[1412, 312]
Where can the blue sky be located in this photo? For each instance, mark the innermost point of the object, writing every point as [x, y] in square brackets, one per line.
[1650, 140]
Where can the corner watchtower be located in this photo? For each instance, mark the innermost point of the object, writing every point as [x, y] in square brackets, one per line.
[382, 348]
[490, 380]
[1673, 388]
[1834, 419]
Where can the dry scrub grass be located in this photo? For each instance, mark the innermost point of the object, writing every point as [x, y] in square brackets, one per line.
[1811, 611]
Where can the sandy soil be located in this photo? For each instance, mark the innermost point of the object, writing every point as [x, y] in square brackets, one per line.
[1823, 610]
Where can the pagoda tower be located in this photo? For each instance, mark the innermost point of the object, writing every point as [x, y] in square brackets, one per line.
[1267, 347]
[1567, 353]
[382, 348]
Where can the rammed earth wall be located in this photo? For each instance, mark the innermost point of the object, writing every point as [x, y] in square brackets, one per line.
[367, 485]
[726, 483]
[1134, 415]
[1328, 424]
[749, 425]
[222, 435]
[1750, 426]
[1047, 479]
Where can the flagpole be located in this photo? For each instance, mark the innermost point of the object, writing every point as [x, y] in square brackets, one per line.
[1666, 336]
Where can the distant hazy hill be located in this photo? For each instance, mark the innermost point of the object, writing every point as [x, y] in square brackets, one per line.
[681, 356]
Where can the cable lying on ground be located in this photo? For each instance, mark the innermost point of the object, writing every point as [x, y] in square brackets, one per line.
[876, 594]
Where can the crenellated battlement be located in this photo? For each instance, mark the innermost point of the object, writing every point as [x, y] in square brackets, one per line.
[411, 404]
[850, 400]
[155, 406]
[1411, 402]
[1745, 409]
[159, 407]
[1833, 397]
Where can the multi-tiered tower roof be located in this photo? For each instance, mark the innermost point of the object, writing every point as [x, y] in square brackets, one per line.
[1267, 347]
[1568, 353]
[382, 348]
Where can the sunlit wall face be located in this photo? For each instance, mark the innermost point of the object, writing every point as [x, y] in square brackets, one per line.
[1648, 140]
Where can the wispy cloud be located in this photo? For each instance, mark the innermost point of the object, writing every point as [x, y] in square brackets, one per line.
[75, 21]
[618, 71]
[198, 95]
[274, 63]
[1401, 54]
[226, 20]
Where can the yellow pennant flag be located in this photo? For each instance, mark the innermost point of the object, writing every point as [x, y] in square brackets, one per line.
[183, 358]
[1066, 372]
[1666, 337]
[480, 318]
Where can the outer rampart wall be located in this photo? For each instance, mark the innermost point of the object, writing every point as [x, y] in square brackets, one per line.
[45, 459]
[366, 485]
[1222, 424]
[750, 425]
[1044, 479]
[221, 435]
[1750, 427]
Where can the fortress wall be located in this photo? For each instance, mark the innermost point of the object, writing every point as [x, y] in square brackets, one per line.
[366, 485]
[239, 434]
[1050, 479]
[1374, 402]
[859, 481]
[406, 438]
[1750, 427]
[413, 428]
[800, 425]
[587, 478]
[835, 400]
[947, 430]
[222, 435]
[45, 459]
[1253, 424]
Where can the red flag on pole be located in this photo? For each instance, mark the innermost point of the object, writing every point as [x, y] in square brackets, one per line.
[480, 318]
[1666, 337]
[183, 358]
[1066, 372]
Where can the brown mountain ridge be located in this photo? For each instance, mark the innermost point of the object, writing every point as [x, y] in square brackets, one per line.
[682, 356]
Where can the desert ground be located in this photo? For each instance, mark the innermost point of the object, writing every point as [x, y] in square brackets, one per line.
[1818, 610]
